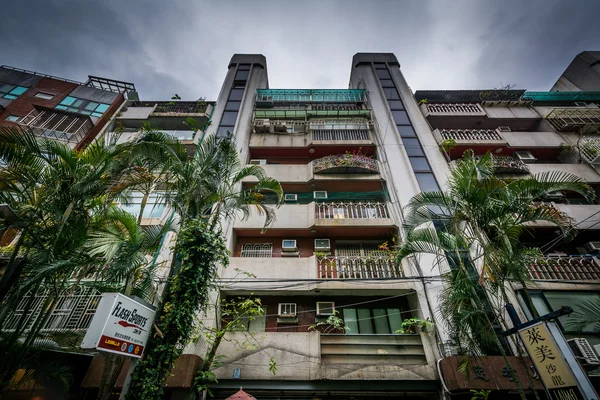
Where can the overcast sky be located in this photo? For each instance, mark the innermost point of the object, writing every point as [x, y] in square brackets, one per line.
[183, 46]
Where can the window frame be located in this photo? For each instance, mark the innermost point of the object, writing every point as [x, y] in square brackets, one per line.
[43, 95]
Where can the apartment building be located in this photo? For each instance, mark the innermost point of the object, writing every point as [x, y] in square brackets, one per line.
[58, 108]
[529, 133]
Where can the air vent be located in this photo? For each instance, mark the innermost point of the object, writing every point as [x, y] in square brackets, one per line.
[524, 156]
[322, 245]
[593, 247]
[325, 308]
[320, 195]
[584, 352]
[289, 245]
[258, 162]
[290, 197]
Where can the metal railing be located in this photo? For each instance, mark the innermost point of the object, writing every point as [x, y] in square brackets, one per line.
[73, 311]
[509, 165]
[336, 134]
[257, 250]
[590, 149]
[181, 107]
[455, 108]
[584, 120]
[570, 268]
[358, 267]
[471, 135]
[345, 163]
[351, 210]
[57, 125]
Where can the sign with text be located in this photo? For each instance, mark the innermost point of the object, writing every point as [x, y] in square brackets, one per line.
[120, 325]
[549, 361]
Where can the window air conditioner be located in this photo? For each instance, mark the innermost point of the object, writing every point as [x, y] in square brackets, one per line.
[593, 247]
[320, 195]
[279, 126]
[325, 308]
[262, 125]
[583, 351]
[524, 156]
[290, 197]
[288, 245]
[258, 162]
[504, 128]
[322, 245]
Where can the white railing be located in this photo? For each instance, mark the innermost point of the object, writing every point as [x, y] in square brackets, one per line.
[455, 108]
[357, 267]
[471, 135]
[590, 149]
[73, 311]
[565, 268]
[345, 163]
[351, 210]
[334, 134]
[57, 125]
[585, 120]
[257, 250]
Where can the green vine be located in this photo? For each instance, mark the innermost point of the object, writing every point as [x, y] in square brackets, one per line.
[200, 250]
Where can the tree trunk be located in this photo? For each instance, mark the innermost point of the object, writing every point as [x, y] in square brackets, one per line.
[113, 363]
[13, 270]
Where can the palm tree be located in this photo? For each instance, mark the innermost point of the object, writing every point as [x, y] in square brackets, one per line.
[206, 189]
[478, 221]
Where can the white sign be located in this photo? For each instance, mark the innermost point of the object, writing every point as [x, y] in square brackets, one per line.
[120, 325]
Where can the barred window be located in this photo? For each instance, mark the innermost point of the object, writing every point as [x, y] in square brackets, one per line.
[261, 250]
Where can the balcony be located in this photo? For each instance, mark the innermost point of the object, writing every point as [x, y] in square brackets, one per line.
[345, 164]
[509, 165]
[52, 124]
[170, 115]
[583, 120]
[470, 136]
[351, 211]
[269, 97]
[590, 150]
[567, 268]
[453, 109]
[357, 267]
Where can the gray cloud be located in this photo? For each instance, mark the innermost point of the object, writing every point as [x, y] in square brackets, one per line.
[183, 46]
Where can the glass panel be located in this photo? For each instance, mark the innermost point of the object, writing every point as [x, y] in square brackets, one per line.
[364, 320]
[350, 321]
[10, 96]
[225, 131]
[258, 324]
[419, 164]
[133, 209]
[413, 147]
[241, 75]
[95, 114]
[61, 107]
[395, 319]
[102, 108]
[233, 105]
[380, 66]
[427, 182]
[67, 101]
[45, 96]
[19, 90]
[571, 299]
[229, 118]
[78, 103]
[391, 94]
[73, 109]
[387, 83]
[13, 118]
[381, 321]
[153, 210]
[236, 94]
[5, 87]
[86, 112]
[396, 105]
[244, 67]
[406, 131]
[401, 117]
[91, 105]
[383, 74]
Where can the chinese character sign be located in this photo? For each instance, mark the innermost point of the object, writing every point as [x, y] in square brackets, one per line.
[546, 357]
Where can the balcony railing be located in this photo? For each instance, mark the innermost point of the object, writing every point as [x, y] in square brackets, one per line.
[565, 268]
[269, 96]
[345, 164]
[455, 109]
[356, 267]
[57, 125]
[341, 135]
[584, 120]
[174, 107]
[351, 210]
[471, 135]
[590, 149]
[73, 311]
[509, 165]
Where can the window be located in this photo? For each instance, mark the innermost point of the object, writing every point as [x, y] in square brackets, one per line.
[229, 118]
[45, 96]
[244, 67]
[383, 73]
[236, 94]
[81, 106]
[11, 92]
[365, 321]
[419, 164]
[152, 209]
[241, 75]
[232, 106]
[257, 250]
[257, 324]
[287, 309]
[380, 66]
[396, 105]
[387, 83]
[401, 117]
[13, 118]
[413, 147]
[427, 181]
[225, 131]
[406, 131]
[391, 94]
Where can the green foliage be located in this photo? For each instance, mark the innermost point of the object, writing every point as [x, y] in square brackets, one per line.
[410, 325]
[333, 323]
[480, 394]
[422, 101]
[447, 145]
[200, 250]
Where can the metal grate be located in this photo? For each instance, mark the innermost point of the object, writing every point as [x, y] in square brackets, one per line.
[351, 210]
[455, 108]
[358, 267]
[57, 125]
[257, 250]
[471, 135]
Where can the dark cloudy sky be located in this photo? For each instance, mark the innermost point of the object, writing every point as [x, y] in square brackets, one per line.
[183, 46]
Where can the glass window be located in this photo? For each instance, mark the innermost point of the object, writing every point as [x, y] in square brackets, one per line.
[241, 75]
[102, 108]
[387, 83]
[91, 106]
[396, 105]
[406, 131]
[11, 92]
[239, 84]
[6, 87]
[413, 147]
[427, 182]
[380, 66]
[229, 118]
[419, 164]
[67, 101]
[13, 118]
[572, 299]
[225, 131]
[82, 106]
[18, 90]
[236, 94]
[401, 117]
[45, 96]
[391, 94]
[233, 105]
[244, 67]
[383, 74]
[380, 321]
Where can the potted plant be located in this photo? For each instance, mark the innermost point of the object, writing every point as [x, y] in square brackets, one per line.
[410, 326]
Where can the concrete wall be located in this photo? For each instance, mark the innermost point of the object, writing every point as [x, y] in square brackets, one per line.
[533, 139]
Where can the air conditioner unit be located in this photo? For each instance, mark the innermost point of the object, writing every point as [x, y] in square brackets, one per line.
[288, 245]
[262, 125]
[504, 128]
[593, 247]
[287, 310]
[258, 162]
[290, 197]
[320, 195]
[524, 156]
[322, 245]
[279, 127]
[583, 351]
[325, 308]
